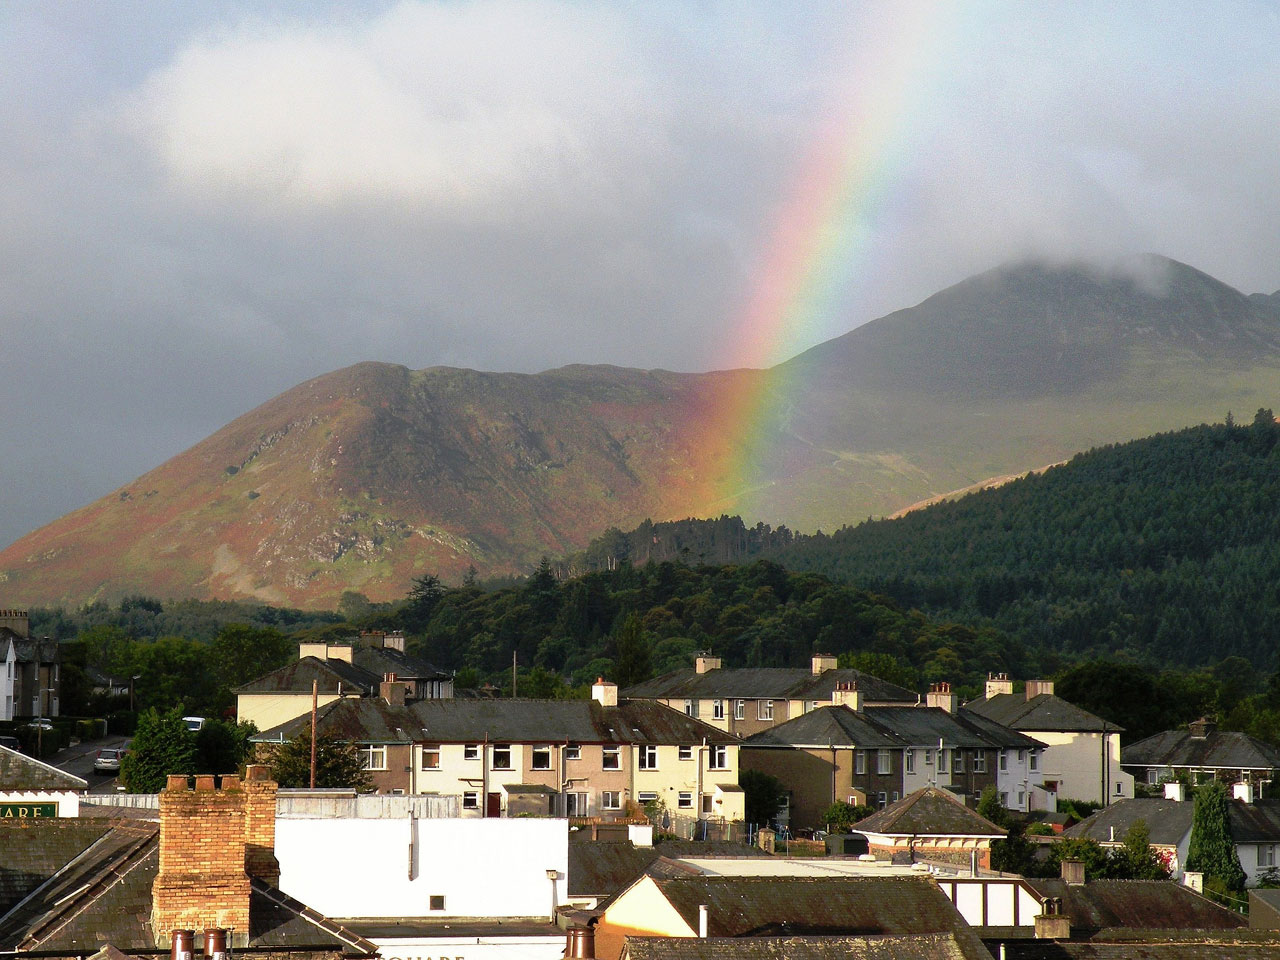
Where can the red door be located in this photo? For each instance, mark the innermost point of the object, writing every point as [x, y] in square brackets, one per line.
[493, 805]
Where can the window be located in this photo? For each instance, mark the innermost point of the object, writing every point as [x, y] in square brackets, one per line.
[610, 759]
[431, 756]
[717, 710]
[611, 800]
[575, 805]
[739, 709]
[1004, 798]
[471, 800]
[1022, 799]
[1119, 789]
[883, 763]
[471, 751]
[1035, 760]
[957, 761]
[541, 759]
[910, 757]
[1022, 756]
[684, 800]
[928, 758]
[859, 762]
[1266, 855]
[502, 758]
[894, 797]
[686, 753]
[882, 799]
[646, 796]
[690, 708]
[1153, 775]
[649, 757]
[979, 761]
[764, 709]
[1004, 760]
[719, 757]
[437, 901]
[373, 758]
[573, 752]
[942, 761]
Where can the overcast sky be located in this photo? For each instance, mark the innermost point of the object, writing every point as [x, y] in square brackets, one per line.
[202, 204]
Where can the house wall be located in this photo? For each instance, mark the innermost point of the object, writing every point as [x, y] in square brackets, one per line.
[266, 710]
[990, 902]
[958, 851]
[8, 680]
[1248, 854]
[750, 722]
[1077, 761]
[807, 775]
[641, 910]
[673, 776]
[390, 868]
[1017, 780]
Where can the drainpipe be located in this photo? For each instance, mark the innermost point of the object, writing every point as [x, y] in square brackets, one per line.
[484, 776]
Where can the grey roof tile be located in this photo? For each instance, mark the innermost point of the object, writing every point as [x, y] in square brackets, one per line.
[1220, 748]
[941, 946]
[778, 683]
[20, 772]
[929, 812]
[1137, 905]
[1046, 711]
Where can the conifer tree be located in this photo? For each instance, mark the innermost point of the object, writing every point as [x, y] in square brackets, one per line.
[1212, 851]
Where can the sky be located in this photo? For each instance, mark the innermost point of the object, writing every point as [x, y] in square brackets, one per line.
[205, 203]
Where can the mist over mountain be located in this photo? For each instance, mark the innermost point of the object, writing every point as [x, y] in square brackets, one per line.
[368, 476]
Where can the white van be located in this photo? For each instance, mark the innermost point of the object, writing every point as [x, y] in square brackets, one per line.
[194, 724]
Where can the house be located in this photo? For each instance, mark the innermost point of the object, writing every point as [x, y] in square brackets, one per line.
[930, 824]
[1254, 825]
[32, 789]
[1081, 759]
[356, 668]
[747, 700]
[1201, 752]
[71, 886]
[579, 758]
[875, 755]
[31, 684]
[749, 907]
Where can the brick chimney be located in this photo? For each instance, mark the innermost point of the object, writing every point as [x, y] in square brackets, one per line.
[704, 662]
[372, 638]
[201, 881]
[1052, 923]
[260, 824]
[940, 695]
[16, 620]
[1202, 728]
[604, 692]
[1037, 687]
[997, 684]
[847, 694]
[821, 663]
[393, 691]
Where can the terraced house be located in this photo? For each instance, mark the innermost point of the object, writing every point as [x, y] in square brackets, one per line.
[598, 757]
[747, 700]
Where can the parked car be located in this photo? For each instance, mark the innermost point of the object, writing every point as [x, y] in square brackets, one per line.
[10, 742]
[194, 724]
[41, 723]
[107, 759]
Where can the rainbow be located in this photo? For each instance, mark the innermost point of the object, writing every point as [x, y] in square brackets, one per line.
[821, 241]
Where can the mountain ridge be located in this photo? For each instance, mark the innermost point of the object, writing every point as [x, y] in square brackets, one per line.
[365, 477]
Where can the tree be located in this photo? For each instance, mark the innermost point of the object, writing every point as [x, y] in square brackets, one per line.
[424, 597]
[1078, 848]
[764, 795]
[990, 807]
[242, 653]
[840, 816]
[222, 746]
[1211, 850]
[337, 763]
[161, 745]
[1136, 860]
[633, 665]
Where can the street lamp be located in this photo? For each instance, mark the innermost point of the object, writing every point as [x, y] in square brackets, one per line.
[136, 676]
[40, 722]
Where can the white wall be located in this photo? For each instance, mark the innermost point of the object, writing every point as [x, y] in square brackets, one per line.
[473, 948]
[483, 868]
[68, 802]
[1076, 761]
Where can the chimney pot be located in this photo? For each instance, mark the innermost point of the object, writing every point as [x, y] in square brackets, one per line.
[176, 781]
[204, 781]
[184, 945]
[580, 943]
[215, 943]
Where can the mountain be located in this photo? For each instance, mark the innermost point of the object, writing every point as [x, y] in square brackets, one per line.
[369, 476]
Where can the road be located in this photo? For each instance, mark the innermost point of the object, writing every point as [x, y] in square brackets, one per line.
[77, 760]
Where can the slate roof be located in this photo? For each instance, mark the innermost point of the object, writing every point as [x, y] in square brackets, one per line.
[826, 906]
[31, 650]
[1257, 822]
[601, 868]
[767, 683]
[1136, 905]
[1227, 946]
[929, 812]
[943, 946]
[20, 772]
[372, 720]
[1046, 711]
[1220, 748]
[895, 727]
[384, 660]
[1168, 821]
[103, 895]
[838, 726]
[332, 676]
[31, 852]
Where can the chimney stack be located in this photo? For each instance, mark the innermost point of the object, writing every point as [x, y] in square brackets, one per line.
[1242, 791]
[704, 662]
[847, 694]
[604, 692]
[1202, 728]
[17, 621]
[338, 651]
[1073, 872]
[821, 663]
[201, 881]
[1037, 687]
[1052, 923]
[392, 690]
[997, 684]
[1174, 790]
[940, 696]
[394, 641]
[260, 824]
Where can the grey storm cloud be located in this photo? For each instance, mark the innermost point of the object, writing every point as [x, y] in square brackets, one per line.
[203, 204]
